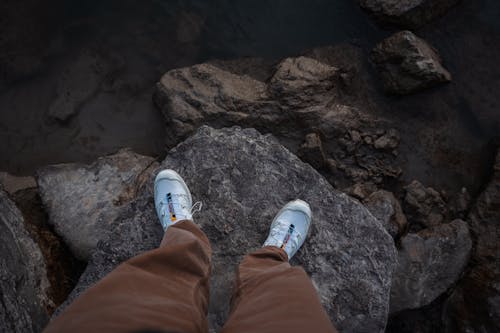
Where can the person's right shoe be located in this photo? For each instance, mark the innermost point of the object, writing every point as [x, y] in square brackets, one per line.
[290, 227]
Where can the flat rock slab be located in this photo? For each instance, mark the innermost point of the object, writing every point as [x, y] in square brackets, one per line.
[83, 200]
[243, 179]
[23, 275]
[429, 263]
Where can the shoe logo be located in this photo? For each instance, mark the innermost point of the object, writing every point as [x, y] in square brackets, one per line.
[173, 218]
[291, 229]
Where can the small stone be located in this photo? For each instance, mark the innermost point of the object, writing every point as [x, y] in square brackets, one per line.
[355, 136]
[311, 151]
[388, 141]
[387, 209]
[360, 190]
[424, 206]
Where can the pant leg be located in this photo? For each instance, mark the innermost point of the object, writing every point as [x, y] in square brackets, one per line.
[272, 296]
[164, 290]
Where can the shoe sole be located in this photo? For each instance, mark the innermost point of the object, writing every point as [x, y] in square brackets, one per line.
[172, 175]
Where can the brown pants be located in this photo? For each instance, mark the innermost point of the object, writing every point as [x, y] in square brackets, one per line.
[166, 290]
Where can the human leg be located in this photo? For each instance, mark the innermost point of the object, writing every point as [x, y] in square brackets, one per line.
[162, 290]
[271, 295]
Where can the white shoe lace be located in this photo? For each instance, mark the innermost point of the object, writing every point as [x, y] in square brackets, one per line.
[177, 208]
[285, 236]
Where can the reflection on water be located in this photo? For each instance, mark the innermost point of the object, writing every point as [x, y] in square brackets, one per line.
[144, 39]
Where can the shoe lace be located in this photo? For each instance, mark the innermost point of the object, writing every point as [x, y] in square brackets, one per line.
[179, 204]
[196, 207]
[280, 232]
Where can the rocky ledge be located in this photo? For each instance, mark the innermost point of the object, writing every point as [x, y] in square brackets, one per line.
[243, 178]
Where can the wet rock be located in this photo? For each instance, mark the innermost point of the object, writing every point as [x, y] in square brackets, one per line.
[389, 140]
[429, 263]
[410, 14]
[475, 304]
[386, 208]
[78, 83]
[302, 81]
[296, 97]
[11, 184]
[407, 64]
[244, 178]
[360, 190]
[83, 200]
[312, 152]
[23, 275]
[424, 206]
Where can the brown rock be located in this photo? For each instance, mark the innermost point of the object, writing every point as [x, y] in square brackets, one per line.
[389, 140]
[386, 208]
[424, 206]
[407, 64]
[311, 151]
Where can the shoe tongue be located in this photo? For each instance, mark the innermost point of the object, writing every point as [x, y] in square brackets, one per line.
[178, 205]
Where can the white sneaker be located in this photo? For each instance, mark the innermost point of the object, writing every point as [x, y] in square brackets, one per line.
[173, 200]
[290, 227]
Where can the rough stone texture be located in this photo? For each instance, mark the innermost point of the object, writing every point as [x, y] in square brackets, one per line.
[243, 178]
[407, 64]
[424, 206]
[429, 263]
[386, 208]
[408, 13]
[23, 275]
[301, 96]
[80, 82]
[312, 152]
[83, 200]
[475, 305]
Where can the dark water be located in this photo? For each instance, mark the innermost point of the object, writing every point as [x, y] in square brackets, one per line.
[143, 39]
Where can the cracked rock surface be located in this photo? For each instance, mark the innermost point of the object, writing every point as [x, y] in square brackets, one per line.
[83, 200]
[243, 179]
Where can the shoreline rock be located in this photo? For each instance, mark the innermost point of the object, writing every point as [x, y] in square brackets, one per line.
[24, 299]
[407, 64]
[244, 178]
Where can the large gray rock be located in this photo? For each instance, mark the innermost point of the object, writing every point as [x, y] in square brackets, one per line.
[83, 200]
[429, 263]
[243, 178]
[408, 13]
[475, 304]
[23, 276]
[301, 96]
[408, 64]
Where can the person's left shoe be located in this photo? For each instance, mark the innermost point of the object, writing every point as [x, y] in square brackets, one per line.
[173, 200]
[290, 227]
